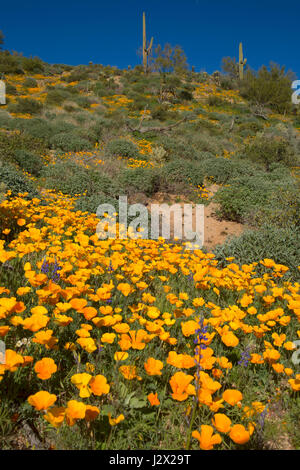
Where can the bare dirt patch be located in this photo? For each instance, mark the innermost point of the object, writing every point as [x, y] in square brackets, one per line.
[216, 231]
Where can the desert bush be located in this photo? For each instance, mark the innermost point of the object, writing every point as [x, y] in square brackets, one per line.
[139, 180]
[16, 182]
[177, 148]
[26, 106]
[268, 148]
[10, 143]
[70, 142]
[55, 97]
[122, 148]
[255, 199]
[214, 100]
[182, 171]
[33, 64]
[70, 178]
[30, 83]
[221, 170]
[279, 244]
[91, 203]
[28, 161]
[11, 89]
[9, 64]
[270, 88]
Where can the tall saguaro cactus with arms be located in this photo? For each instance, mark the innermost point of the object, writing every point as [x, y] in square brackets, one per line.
[146, 50]
[242, 62]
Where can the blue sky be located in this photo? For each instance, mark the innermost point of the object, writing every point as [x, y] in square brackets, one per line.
[110, 32]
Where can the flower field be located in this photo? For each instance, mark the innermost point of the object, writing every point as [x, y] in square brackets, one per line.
[133, 343]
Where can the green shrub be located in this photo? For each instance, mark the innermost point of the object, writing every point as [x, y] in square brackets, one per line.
[258, 198]
[143, 180]
[177, 148]
[10, 143]
[30, 83]
[70, 142]
[11, 89]
[10, 64]
[26, 106]
[221, 170]
[122, 148]
[268, 148]
[280, 244]
[91, 203]
[182, 171]
[70, 178]
[28, 161]
[16, 182]
[55, 97]
[214, 100]
[271, 88]
[33, 64]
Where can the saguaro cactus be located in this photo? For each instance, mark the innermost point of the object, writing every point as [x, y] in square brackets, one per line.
[242, 62]
[146, 50]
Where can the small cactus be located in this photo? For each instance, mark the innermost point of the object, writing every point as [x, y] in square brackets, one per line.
[242, 62]
[146, 50]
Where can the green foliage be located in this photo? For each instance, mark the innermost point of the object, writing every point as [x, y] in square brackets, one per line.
[139, 179]
[33, 65]
[9, 143]
[11, 89]
[70, 142]
[26, 106]
[16, 182]
[91, 203]
[9, 64]
[168, 59]
[222, 170]
[269, 148]
[280, 244]
[255, 199]
[55, 97]
[30, 83]
[182, 171]
[28, 161]
[70, 178]
[270, 88]
[122, 148]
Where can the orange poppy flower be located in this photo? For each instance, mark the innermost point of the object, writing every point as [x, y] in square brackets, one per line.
[12, 360]
[41, 400]
[55, 416]
[45, 368]
[207, 439]
[181, 386]
[75, 410]
[221, 422]
[153, 399]
[232, 396]
[115, 421]
[99, 385]
[153, 366]
[129, 372]
[91, 413]
[81, 381]
[239, 434]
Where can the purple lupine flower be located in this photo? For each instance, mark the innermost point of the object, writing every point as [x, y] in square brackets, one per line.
[245, 357]
[45, 267]
[262, 417]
